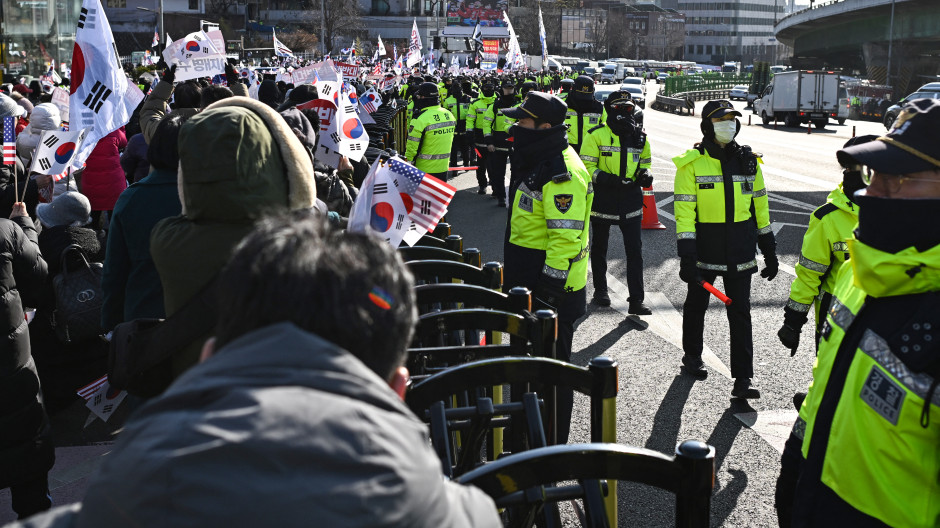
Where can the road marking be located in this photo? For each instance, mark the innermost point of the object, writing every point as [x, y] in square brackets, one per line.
[63, 477]
[666, 321]
[793, 202]
[773, 426]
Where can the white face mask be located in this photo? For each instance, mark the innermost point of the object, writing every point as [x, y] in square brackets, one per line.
[724, 131]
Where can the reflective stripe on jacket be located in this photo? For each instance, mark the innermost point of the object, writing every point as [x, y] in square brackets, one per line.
[430, 138]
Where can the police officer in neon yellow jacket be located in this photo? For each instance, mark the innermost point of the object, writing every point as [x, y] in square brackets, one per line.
[824, 251]
[718, 185]
[584, 112]
[617, 154]
[431, 133]
[547, 244]
[496, 136]
[475, 129]
[869, 429]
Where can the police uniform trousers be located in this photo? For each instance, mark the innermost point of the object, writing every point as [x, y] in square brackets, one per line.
[496, 169]
[633, 247]
[738, 288]
[523, 267]
[31, 497]
[461, 149]
[482, 155]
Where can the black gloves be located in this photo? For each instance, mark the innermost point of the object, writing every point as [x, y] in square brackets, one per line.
[768, 246]
[644, 178]
[606, 178]
[789, 337]
[771, 266]
[169, 75]
[688, 270]
[549, 293]
[789, 333]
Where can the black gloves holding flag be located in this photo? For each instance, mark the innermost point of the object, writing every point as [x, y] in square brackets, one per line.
[644, 178]
[169, 75]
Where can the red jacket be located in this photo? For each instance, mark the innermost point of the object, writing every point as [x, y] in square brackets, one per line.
[103, 180]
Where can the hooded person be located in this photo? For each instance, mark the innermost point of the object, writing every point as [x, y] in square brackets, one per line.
[269, 94]
[258, 167]
[45, 117]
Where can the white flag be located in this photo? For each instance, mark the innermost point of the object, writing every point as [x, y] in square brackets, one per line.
[56, 150]
[381, 47]
[279, 48]
[379, 207]
[196, 44]
[98, 82]
[414, 48]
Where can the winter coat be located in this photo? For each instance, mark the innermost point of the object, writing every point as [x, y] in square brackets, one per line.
[64, 368]
[26, 451]
[279, 426]
[130, 283]
[134, 159]
[10, 194]
[257, 167]
[45, 117]
[154, 107]
[22, 101]
[103, 179]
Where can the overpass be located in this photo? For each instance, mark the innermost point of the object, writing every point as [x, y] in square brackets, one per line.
[854, 35]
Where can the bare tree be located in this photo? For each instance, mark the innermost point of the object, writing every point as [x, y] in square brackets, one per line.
[340, 18]
[299, 40]
[219, 8]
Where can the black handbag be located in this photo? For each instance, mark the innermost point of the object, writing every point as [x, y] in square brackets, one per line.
[78, 299]
[141, 351]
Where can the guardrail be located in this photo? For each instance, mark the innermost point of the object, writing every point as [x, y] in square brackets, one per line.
[686, 101]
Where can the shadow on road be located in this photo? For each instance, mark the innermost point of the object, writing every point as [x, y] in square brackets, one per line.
[725, 498]
[668, 418]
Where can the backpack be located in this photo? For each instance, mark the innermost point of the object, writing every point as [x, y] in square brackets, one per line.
[78, 299]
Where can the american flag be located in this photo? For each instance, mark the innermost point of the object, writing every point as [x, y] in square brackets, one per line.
[429, 195]
[377, 70]
[9, 140]
[370, 101]
[156, 39]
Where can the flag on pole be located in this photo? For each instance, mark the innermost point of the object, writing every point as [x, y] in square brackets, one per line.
[56, 150]
[478, 34]
[9, 140]
[380, 207]
[156, 38]
[428, 195]
[279, 48]
[415, 46]
[98, 81]
[371, 100]
[381, 47]
[195, 44]
[542, 40]
[377, 70]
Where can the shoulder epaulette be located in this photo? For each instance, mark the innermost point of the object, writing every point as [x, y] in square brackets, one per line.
[823, 210]
[686, 157]
[598, 127]
[563, 177]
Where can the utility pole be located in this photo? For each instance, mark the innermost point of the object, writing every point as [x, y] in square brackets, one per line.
[890, 43]
[322, 30]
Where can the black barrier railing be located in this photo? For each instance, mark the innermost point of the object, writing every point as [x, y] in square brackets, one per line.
[399, 124]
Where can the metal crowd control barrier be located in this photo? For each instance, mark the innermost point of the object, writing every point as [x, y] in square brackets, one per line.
[399, 124]
[525, 481]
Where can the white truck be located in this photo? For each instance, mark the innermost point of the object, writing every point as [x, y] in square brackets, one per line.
[613, 73]
[801, 96]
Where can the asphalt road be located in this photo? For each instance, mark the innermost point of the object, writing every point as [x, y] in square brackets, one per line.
[657, 405]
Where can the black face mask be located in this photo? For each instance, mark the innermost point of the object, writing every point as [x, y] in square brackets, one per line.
[488, 92]
[893, 224]
[852, 183]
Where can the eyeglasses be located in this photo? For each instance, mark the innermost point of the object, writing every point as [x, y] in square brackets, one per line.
[891, 183]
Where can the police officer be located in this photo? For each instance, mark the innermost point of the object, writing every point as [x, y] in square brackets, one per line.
[721, 213]
[584, 112]
[547, 244]
[496, 136]
[475, 128]
[566, 86]
[823, 253]
[458, 103]
[431, 133]
[869, 428]
[617, 155]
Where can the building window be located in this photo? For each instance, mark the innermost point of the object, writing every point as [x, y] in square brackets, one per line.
[193, 4]
[117, 3]
[708, 49]
[691, 49]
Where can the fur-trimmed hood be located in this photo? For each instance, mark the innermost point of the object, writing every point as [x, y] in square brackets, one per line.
[239, 161]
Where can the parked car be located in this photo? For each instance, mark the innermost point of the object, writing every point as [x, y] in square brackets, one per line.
[927, 91]
[662, 78]
[738, 92]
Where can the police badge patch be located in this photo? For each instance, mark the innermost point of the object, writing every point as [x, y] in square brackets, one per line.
[563, 202]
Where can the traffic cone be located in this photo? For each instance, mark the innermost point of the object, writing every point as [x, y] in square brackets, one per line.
[650, 214]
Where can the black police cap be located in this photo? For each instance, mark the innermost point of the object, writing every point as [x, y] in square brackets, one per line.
[539, 106]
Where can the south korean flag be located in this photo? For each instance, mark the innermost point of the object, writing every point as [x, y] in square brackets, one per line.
[98, 82]
[56, 150]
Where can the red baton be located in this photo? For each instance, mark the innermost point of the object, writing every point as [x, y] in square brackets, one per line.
[716, 292]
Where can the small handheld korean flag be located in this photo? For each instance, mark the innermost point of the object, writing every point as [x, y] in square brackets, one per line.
[56, 150]
[100, 398]
[98, 82]
[194, 45]
[379, 207]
